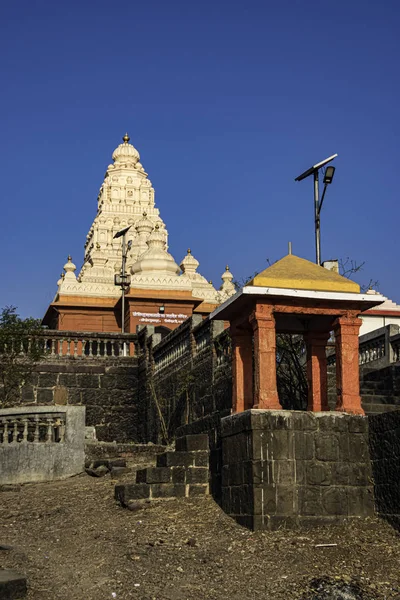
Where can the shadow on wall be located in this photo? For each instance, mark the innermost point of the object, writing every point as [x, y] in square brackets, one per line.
[384, 441]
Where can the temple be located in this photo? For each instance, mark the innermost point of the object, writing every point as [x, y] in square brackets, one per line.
[161, 293]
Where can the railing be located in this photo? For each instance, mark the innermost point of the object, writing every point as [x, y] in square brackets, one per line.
[32, 428]
[371, 350]
[193, 338]
[379, 348]
[41, 443]
[173, 347]
[56, 343]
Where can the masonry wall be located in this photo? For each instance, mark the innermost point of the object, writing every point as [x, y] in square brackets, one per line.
[291, 468]
[385, 456]
[107, 387]
[184, 377]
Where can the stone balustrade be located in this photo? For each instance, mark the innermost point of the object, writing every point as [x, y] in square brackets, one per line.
[41, 443]
[377, 349]
[32, 428]
[56, 343]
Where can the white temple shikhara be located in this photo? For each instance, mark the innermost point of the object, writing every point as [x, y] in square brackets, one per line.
[126, 198]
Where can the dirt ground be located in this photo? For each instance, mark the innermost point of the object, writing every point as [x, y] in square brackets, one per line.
[75, 543]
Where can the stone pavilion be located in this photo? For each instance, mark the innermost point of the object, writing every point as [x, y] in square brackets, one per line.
[298, 297]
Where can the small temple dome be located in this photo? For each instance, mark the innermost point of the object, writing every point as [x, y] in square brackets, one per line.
[189, 264]
[144, 225]
[126, 152]
[69, 269]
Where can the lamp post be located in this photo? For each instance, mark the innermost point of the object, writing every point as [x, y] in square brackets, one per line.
[328, 177]
[123, 280]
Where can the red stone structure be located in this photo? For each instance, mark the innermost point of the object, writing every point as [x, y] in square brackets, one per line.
[298, 297]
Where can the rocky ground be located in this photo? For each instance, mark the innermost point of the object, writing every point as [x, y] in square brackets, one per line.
[75, 543]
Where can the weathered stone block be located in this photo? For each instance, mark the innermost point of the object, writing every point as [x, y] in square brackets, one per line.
[192, 442]
[167, 490]
[44, 396]
[60, 395]
[326, 447]
[175, 459]
[285, 500]
[303, 445]
[358, 447]
[318, 473]
[124, 493]
[360, 501]
[340, 473]
[309, 500]
[201, 459]
[198, 490]
[285, 471]
[67, 379]
[333, 422]
[178, 474]
[304, 421]
[74, 396]
[47, 380]
[358, 424]
[334, 500]
[154, 475]
[27, 394]
[265, 500]
[87, 380]
[12, 585]
[197, 475]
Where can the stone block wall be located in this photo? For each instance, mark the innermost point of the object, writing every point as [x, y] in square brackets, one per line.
[384, 437]
[290, 468]
[107, 387]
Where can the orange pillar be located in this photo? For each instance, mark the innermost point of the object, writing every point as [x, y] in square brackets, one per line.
[242, 370]
[347, 365]
[265, 388]
[317, 375]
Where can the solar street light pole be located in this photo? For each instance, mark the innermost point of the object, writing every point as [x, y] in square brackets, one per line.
[329, 173]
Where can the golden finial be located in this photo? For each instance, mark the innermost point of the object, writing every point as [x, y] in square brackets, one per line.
[210, 282]
[227, 268]
[189, 251]
[126, 138]
[69, 257]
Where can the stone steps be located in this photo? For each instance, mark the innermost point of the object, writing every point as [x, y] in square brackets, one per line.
[12, 585]
[177, 474]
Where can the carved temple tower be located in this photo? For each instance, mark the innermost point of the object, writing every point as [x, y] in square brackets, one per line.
[161, 292]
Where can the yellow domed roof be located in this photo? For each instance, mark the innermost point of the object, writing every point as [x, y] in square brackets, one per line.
[293, 272]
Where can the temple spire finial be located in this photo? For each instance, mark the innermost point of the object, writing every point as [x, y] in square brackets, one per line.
[126, 138]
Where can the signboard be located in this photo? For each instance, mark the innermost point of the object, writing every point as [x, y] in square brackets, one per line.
[160, 318]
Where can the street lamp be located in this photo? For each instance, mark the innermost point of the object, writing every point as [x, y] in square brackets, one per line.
[328, 177]
[123, 280]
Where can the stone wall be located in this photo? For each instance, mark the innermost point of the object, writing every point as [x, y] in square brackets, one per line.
[183, 377]
[289, 468]
[385, 456]
[41, 443]
[107, 387]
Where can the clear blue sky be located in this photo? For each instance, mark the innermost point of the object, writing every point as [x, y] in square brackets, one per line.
[227, 102]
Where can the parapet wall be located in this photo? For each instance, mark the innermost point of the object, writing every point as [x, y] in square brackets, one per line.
[41, 443]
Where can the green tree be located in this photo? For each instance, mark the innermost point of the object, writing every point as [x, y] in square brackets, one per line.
[21, 347]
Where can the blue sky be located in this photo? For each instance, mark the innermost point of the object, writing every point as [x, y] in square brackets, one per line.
[227, 102]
